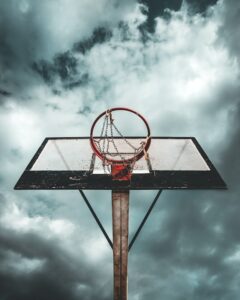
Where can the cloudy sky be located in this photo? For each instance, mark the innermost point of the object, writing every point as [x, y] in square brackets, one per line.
[62, 62]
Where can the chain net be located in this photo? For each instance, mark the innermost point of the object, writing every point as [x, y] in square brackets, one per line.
[108, 146]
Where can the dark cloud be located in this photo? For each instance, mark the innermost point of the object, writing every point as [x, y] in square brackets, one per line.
[190, 246]
[230, 158]
[228, 31]
[196, 233]
[4, 93]
[100, 35]
[85, 110]
[64, 66]
[40, 267]
[200, 6]
[160, 8]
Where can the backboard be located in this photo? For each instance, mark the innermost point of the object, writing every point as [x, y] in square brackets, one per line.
[69, 163]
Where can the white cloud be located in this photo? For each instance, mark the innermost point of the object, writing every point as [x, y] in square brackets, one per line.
[16, 219]
[69, 235]
[234, 257]
[16, 263]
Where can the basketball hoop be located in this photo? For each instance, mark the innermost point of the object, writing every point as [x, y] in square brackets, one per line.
[118, 153]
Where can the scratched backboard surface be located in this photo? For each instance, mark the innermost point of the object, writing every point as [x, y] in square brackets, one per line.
[69, 163]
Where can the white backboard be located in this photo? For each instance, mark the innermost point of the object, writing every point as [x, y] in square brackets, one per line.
[76, 155]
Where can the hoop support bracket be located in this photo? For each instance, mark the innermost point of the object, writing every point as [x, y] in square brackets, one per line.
[96, 218]
[144, 220]
[137, 231]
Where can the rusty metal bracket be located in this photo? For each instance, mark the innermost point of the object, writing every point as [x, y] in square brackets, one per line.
[144, 220]
[96, 218]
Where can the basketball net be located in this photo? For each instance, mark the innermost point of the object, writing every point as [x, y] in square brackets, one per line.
[119, 170]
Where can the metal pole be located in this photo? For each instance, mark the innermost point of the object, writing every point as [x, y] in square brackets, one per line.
[120, 212]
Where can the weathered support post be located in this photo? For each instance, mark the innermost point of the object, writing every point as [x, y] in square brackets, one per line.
[120, 212]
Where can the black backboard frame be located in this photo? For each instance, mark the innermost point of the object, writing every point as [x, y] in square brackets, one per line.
[75, 180]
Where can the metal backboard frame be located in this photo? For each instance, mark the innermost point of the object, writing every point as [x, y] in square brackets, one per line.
[204, 176]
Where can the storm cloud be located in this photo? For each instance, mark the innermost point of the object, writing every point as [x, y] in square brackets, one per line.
[64, 62]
